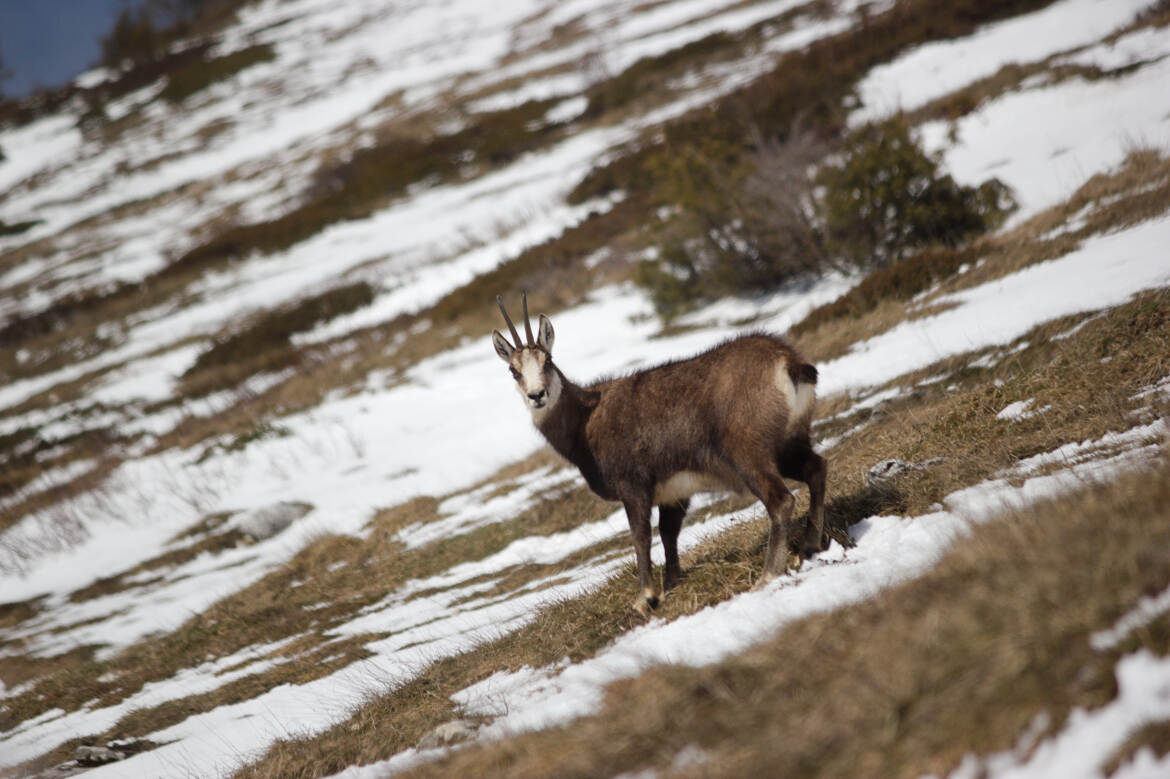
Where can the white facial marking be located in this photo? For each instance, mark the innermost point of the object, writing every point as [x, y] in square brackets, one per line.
[539, 394]
[531, 372]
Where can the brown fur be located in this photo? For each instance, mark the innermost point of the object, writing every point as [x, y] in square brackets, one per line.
[721, 415]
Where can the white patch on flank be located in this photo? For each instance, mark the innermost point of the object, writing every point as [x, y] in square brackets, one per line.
[784, 384]
[806, 396]
[799, 397]
[684, 484]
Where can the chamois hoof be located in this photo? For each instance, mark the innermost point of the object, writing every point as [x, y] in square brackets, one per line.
[643, 605]
[776, 570]
[814, 546]
[762, 582]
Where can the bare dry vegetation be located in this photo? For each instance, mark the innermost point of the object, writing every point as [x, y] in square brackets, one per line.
[952, 418]
[961, 660]
[1089, 397]
[325, 584]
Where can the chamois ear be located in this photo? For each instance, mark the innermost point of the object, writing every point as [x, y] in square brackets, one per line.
[503, 348]
[545, 336]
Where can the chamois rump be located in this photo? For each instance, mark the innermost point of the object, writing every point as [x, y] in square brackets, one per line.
[735, 418]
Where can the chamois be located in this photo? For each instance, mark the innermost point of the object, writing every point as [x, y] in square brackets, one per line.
[735, 418]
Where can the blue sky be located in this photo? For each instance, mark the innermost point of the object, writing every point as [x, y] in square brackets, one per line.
[48, 42]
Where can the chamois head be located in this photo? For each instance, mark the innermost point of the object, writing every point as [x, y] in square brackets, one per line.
[531, 363]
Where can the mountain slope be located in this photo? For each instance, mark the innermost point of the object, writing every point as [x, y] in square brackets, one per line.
[270, 507]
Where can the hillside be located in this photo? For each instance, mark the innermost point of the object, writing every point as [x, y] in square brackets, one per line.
[270, 506]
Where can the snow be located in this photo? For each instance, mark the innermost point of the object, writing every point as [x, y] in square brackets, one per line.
[1043, 141]
[934, 70]
[35, 737]
[1090, 738]
[1139, 46]
[1046, 142]
[1146, 611]
[1107, 270]
[453, 421]
[1021, 410]
[888, 551]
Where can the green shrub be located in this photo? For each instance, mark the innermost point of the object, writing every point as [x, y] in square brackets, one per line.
[750, 221]
[887, 198]
[16, 228]
[134, 38]
[741, 221]
[196, 76]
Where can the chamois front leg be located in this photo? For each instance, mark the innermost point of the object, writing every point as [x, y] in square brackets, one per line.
[638, 513]
[670, 519]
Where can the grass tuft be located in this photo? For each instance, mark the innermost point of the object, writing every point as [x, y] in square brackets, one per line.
[193, 77]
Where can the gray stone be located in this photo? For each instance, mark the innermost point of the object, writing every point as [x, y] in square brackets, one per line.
[262, 523]
[453, 732]
[91, 756]
[888, 470]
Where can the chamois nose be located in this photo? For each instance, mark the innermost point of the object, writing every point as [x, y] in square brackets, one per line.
[538, 397]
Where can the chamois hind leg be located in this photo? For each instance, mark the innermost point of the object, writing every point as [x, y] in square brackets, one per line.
[638, 513]
[670, 519]
[764, 481]
[799, 461]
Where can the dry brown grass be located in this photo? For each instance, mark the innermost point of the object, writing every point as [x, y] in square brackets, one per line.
[956, 417]
[959, 661]
[1089, 398]
[325, 584]
[1155, 737]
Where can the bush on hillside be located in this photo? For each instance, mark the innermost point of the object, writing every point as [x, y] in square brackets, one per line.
[887, 197]
[184, 81]
[746, 222]
[741, 221]
[134, 38]
[147, 34]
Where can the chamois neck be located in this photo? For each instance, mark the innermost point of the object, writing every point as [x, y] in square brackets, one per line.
[564, 427]
[562, 421]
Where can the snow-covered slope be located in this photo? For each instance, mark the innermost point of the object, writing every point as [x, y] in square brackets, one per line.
[120, 209]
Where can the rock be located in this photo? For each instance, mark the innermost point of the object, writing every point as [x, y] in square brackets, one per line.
[888, 470]
[453, 732]
[259, 524]
[91, 756]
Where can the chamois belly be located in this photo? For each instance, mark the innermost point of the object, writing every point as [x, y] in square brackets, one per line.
[684, 484]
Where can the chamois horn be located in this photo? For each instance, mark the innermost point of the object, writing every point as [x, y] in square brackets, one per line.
[527, 324]
[508, 319]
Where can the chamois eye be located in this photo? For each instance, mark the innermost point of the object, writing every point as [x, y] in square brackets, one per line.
[515, 374]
